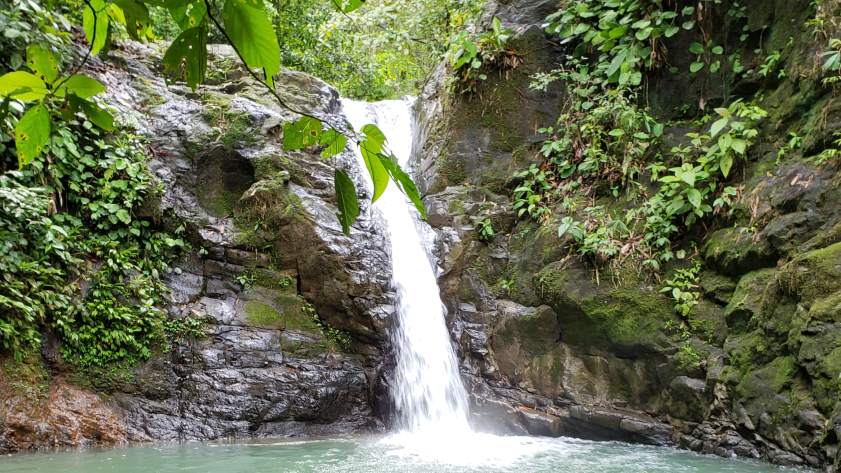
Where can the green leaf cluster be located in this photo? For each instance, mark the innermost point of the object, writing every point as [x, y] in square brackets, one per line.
[472, 56]
[381, 165]
[623, 36]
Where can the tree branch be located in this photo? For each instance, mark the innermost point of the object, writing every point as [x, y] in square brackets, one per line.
[208, 4]
[88, 53]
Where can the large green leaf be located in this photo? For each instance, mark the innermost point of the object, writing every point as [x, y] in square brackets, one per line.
[81, 86]
[726, 164]
[32, 134]
[189, 15]
[302, 133]
[251, 32]
[187, 56]
[404, 182]
[22, 86]
[333, 142]
[346, 200]
[378, 172]
[95, 24]
[136, 17]
[42, 62]
[375, 138]
[93, 112]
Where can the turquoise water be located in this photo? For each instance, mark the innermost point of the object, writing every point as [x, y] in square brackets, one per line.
[485, 454]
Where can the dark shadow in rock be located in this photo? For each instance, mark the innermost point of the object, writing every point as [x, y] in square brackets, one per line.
[224, 175]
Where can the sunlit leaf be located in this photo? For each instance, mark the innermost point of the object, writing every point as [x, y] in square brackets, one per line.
[251, 32]
[333, 142]
[302, 133]
[136, 17]
[80, 85]
[32, 134]
[95, 24]
[42, 62]
[189, 15]
[347, 6]
[404, 182]
[378, 173]
[22, 86]
[97, 115]
[375, 138]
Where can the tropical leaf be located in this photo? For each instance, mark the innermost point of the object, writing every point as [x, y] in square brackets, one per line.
[346, 200]
[42, 62]
[302, 133]
[333, 142]
[81, 86]
[187, 56]
[95, 24]
[189, 15]
[32, 134]
[23, 86]
[404, 182]
[248, 25]
[379, 174]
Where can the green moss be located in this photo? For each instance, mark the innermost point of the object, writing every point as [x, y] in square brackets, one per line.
[262, 315]
[748, 299]
[773, 378]
[814, 274]
[229, 127]
[286, 312]
[828, 384]
[733, 251]
[452, 171]
[827, 309]
[26, 376]
[297, 313]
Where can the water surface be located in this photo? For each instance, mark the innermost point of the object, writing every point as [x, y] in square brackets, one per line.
[396, 453]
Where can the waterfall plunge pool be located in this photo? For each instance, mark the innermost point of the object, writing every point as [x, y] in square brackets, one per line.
[428, 394]
[399, 453]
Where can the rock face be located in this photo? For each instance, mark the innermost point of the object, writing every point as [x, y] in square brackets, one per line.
[293, 311]
[550, 347]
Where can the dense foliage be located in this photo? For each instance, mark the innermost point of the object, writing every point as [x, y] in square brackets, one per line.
[80, 258]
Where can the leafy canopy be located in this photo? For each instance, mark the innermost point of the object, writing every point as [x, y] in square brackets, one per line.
[247, 26]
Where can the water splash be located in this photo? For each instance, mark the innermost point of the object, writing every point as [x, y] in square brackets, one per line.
[428, 393]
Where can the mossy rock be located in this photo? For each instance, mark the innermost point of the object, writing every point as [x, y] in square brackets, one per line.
[827, 309]
[628, 319]
[766, 389]
[223, 178]
[827, 384]
[734, 252]
[536, 333]
[717, 287]
[749, 299]
[746, 351]
[707, 320]
[283, 312]
[813, 275]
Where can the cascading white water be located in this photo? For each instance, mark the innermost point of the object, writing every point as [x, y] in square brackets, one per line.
[428, 392]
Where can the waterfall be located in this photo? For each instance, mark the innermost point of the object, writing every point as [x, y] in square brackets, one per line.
[427, 390]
